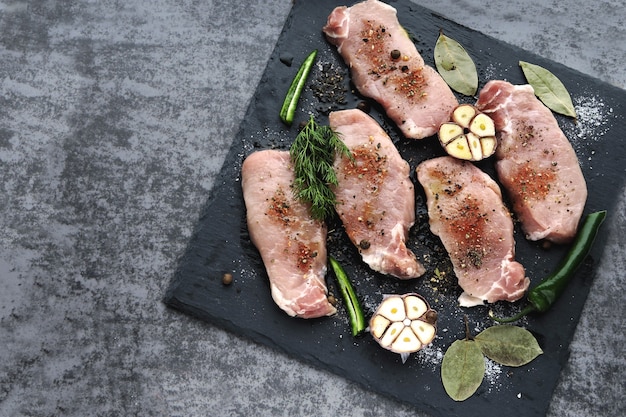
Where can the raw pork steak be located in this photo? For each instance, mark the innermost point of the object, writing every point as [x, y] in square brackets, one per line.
[376, 198]
[536, 164]
[291, 243]
[466, 211]
[386, 67]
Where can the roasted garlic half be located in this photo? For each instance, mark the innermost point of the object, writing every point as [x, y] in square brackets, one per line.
[404, 324]
[471, 135]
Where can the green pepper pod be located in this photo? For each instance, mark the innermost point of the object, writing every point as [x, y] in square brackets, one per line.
[353, 306]
[290, 103]
[543, 296]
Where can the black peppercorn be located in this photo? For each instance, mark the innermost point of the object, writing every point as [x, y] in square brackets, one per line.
[364, 106]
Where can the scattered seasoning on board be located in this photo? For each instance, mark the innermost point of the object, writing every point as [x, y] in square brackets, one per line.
[227, 278]
[328, 86]
[444, 281]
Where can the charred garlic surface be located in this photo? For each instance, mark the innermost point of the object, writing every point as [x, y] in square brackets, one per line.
[404, 323]
[471, 135]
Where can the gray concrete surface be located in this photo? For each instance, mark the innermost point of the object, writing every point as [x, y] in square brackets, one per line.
[114, 119]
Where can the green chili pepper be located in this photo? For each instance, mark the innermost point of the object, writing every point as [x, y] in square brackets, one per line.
[541, 297]
[288, 109]
[355, 312]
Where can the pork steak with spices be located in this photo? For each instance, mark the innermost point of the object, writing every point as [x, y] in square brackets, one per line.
[466, 211]
[375, 196]
[535, 162]
[291, 243]
[386, 66]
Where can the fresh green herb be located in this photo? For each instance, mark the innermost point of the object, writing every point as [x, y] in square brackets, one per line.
[549, 89]
[541, 297]
[455, 65]
[355, 312]
[463, 365]
[288, 109]
[313, 153]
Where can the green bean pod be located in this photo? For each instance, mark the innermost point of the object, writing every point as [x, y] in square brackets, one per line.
[543, 296]
[290, 103]
[353, 306]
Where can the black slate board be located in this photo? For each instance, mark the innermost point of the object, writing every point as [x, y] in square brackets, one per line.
[220, 243]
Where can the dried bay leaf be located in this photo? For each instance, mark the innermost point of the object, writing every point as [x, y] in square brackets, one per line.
[508, 345]
[455, 65]
[462, 369]
[549, 89]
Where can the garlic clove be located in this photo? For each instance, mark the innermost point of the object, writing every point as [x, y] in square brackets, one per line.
[463, 115]
[488, 145]
[415, 307]
[392, 333]
[475, 147]
[406, 342]
[425, 332]
[482, 125]
[449, 131]
[378, 325]
[459, 148]
[393, 309]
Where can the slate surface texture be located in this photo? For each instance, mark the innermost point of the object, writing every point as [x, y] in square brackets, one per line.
[115, 118]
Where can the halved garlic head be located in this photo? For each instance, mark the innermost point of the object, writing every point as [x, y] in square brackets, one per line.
[471, 135]
[404, 323]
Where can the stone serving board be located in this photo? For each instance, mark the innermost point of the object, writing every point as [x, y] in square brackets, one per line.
[220, 243]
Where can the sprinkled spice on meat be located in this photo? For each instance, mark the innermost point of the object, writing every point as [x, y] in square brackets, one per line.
[533, 184]
[291, 243]
[535, 162]
[278, 208]
[466, 211]
[375, 195]
[386, 66]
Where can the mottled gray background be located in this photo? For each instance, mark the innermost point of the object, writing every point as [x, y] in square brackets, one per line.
[114, 119]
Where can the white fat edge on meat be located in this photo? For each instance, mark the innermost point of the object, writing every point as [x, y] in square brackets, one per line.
[375, 258]
[467, 300]
[287, 304]
[345, 32]
[281, 301]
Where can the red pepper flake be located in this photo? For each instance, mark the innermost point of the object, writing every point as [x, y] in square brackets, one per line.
[279, 207]
[305, 256]
[369, 166]
[448, 187]
[468, 228]
[411, 83]
[382, 58]
[533, 183]
[375, 49]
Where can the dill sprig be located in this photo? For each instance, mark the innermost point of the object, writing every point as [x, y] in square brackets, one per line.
[313, 154]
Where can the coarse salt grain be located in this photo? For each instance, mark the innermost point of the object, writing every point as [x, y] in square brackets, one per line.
[493, 370]
[592, 120]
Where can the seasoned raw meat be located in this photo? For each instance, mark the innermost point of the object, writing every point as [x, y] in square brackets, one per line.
[291, 243]
[536, 164]
[466, 211]
[375, 196]
[386, 67]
